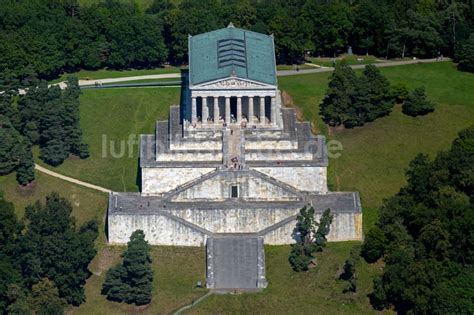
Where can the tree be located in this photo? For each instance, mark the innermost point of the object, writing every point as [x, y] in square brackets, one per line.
[353, 101]
[15, 153]
[349, 273]
[380, 99]
[10, 228]
[44, 298]
[399, 92]
[423, 232]
[374, 245]
[416, 104]
[131, 280]
[310, 237]
[52, 248]
[337, 102]
[465, 55]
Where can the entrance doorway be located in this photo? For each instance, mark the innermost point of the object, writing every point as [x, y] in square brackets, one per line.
[233, 109]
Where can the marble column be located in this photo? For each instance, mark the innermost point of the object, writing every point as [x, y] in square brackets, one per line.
[273, 110]
[239, 109]
[227, 109]
[193, 110]
[262, 110]
[250, 111]
[205, 110]
[216, 109]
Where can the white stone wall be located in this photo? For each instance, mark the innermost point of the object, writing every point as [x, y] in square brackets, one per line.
[234, 220]
[250, 188]
[161, 180]
[312, 178]
[196, 145]
[276, 155]
[189, 156]
[345, 227]
[162, 230]
[158, 229]
[271, 145]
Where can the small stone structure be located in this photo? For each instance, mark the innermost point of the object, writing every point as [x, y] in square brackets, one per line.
[231, 166]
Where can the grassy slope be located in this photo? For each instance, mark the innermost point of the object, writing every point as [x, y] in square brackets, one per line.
[116, 115]
[376, 155]
[106, 74]
[87, 203]
[176, 271]
[372, 163]
[314, 292]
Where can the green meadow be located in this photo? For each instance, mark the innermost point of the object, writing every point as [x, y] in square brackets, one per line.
[372, 162]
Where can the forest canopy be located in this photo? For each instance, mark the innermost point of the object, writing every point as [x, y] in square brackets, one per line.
[48, 37]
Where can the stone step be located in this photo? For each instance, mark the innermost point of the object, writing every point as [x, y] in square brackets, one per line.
[235, 263]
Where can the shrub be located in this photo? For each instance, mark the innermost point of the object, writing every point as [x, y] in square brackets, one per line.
[417, 104]
[374, 245]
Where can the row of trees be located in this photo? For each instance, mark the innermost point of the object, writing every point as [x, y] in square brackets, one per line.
[353, 100]
[44, 116]
[48, 37]
[424, 235]
[44, 258]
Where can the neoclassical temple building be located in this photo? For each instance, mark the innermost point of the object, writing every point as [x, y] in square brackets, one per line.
[231, 167]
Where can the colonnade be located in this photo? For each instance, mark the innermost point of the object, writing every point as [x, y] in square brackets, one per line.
[255, 114]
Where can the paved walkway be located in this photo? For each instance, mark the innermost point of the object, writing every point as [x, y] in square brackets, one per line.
[70, 179]
[379, 65]
[279, 73]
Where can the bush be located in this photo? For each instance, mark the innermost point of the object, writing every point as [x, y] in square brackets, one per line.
[349, 273]
[374, 245]
[399, 92]
[417, 104]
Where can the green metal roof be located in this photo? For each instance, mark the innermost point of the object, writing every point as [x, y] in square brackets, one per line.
[231, 51]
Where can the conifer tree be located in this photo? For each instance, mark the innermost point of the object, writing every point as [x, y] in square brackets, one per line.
[15, 153]
[131, 280]
[338, 101]
[380, 99]
[466, 55]
[417, 104]
[52, 247]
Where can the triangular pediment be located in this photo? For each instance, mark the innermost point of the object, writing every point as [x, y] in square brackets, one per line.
[251, 187]
[233, 83]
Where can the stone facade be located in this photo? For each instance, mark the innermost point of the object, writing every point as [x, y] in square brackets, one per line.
[231, 161]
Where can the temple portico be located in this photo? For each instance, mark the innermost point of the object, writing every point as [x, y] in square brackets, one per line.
[234, 107]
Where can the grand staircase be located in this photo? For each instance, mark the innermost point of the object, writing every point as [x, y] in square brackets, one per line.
[235, 262]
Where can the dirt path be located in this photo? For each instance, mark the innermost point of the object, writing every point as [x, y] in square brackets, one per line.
[70, 179]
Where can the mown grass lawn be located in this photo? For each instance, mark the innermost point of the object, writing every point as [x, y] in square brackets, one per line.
[376, 155]
[109, 118]
[317, 291]
[106, 74]
[372, 162]
[86, 203]
[176, 271]
[350, 59]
